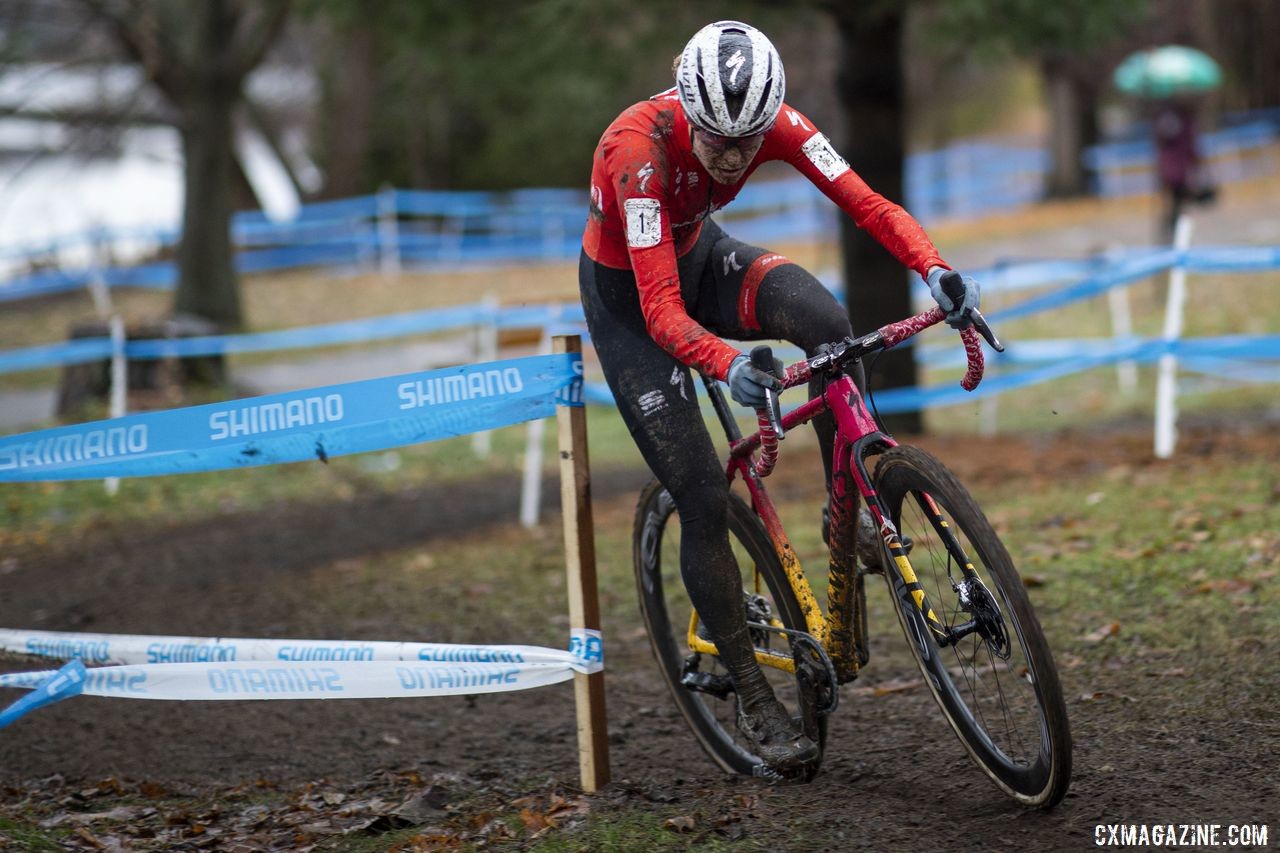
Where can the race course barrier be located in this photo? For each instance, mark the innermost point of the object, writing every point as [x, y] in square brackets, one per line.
[316, 424]
[1056, 283]
[394, 228]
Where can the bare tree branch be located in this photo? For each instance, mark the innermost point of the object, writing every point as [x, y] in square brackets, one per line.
[144, 40]
[262, 31]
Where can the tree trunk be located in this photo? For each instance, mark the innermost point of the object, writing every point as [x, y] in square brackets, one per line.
[1073, 127]
[870, 87]
[352, 95]
[207, 285]
[1244, 37]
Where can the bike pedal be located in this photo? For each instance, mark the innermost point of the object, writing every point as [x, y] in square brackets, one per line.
[719, 686]
[800, 775]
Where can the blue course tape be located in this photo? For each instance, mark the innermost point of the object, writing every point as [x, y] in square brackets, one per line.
[347, 332]
[1128, 269]
[350, 331]
[1233, 258]
[55, 355]
[316, 423]
[63, 684]
[1087, 357]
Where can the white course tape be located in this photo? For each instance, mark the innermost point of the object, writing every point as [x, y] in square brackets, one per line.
[150, 649]
[293, 680]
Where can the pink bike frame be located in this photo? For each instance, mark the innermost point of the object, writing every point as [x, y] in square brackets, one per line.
[857, 433]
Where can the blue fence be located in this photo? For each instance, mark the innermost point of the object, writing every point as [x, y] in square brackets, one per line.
[1243, 358]
[442, 229]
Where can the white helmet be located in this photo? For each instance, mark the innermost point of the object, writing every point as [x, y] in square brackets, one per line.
[730, 80]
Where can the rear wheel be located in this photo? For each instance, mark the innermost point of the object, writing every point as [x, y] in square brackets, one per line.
[996, 684]
[699, 683]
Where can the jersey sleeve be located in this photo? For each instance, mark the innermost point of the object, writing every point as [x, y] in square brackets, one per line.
[637, 169]
[806, 148]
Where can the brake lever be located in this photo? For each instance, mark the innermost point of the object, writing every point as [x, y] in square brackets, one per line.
[953, 286]
[762, 360]
[774, 407]
[980, 323]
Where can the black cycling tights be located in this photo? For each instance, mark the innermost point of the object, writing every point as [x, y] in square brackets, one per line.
[658, 401]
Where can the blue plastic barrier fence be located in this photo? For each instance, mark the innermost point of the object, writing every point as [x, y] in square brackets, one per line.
[967, 179]
[317, 423]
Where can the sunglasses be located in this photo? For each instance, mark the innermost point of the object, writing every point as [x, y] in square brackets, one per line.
[716, 142]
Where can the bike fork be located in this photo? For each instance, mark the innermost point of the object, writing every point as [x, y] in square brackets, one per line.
[905, 580]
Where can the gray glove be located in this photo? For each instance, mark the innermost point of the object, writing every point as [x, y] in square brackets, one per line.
[957, 314]
[747, 383]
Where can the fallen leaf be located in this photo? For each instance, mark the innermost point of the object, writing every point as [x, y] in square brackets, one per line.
[534, 821]
[424, 806]
[1096, 695]
[383, 823]
[152, 790]
[1108, 630]
[1224, 586]
[122, 813]
[89, 838]
[1033, 581]
[684, 823]
[893, 685]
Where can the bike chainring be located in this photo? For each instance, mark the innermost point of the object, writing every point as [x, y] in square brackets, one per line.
[815, 673]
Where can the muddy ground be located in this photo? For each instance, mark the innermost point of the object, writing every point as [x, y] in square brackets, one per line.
[894, 778]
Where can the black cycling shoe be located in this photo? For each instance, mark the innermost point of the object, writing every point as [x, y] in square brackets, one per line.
[777, 738]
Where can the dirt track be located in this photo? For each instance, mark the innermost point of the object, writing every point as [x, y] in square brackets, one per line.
[894, 771]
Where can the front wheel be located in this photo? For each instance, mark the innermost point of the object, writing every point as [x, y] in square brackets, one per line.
[994, 677]
[699, 683]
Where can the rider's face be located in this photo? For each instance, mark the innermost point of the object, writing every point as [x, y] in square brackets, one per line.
[725, 158]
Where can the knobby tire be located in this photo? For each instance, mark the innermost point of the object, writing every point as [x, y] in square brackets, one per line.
[665, 609]
[1018, 734]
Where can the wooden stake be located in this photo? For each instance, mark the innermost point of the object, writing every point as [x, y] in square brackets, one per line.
[580, 566]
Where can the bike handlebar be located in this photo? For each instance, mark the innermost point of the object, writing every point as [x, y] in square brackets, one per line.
[887, 337]
[850, 349]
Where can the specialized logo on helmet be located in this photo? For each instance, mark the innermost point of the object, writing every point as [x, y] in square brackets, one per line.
[730, 80]
[734, 64]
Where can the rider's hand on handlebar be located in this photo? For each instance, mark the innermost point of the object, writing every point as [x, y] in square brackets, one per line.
[748, 383]
[957, 309]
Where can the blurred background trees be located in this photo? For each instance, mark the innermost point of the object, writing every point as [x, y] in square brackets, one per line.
[514, 93]
[198, 56]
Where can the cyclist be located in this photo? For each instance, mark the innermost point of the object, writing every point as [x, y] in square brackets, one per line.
[661, 284]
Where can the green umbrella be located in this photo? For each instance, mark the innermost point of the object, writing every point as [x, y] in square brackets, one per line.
[1163, 72]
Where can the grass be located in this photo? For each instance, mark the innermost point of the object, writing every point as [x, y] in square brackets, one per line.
[29, 838]
[642, 830]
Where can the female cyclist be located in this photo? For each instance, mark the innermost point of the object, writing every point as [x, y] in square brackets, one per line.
[662, 283]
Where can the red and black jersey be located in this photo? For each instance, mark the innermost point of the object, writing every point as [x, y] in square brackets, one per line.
[650, 196]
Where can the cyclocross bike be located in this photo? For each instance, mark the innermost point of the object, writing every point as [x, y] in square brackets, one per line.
[958, 598]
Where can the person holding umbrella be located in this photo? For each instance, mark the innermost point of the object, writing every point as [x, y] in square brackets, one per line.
[1171, 77]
